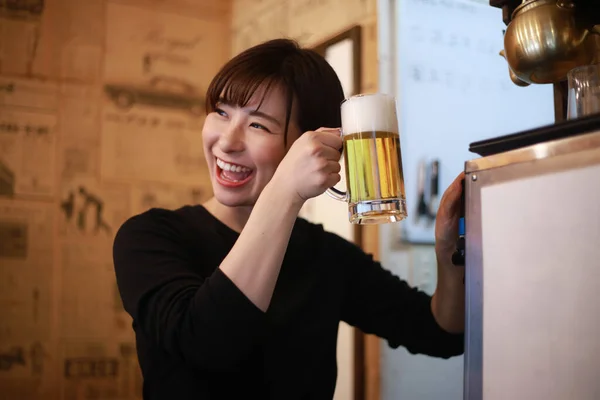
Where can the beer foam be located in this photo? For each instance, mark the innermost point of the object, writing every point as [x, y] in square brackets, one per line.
[368, 113]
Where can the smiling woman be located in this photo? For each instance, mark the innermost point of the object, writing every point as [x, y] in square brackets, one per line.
[257, 105]
[240, 298]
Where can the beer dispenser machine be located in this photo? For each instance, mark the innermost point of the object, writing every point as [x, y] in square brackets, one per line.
[532, 223]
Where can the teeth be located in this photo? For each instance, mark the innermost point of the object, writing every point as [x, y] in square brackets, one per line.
[231, 167]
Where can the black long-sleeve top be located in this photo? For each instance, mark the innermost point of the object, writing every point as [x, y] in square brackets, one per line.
[199, 337]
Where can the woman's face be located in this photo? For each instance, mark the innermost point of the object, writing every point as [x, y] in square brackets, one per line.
[244, 146]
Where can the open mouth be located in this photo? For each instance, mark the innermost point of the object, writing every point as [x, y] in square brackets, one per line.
[233, 174]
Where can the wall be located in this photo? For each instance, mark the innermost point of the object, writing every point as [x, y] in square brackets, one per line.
[404, 375]
[79, 153]
[312, 22]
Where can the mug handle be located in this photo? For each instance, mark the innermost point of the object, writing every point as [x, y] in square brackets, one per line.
[337, 194]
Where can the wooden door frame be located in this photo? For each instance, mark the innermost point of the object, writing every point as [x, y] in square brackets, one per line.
[366, 347]
[354, 34]
[367, 369]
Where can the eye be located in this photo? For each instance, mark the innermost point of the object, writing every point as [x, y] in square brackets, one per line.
[259, 126]
[220, 112]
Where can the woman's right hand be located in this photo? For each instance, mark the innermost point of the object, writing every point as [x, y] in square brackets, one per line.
[311, 165]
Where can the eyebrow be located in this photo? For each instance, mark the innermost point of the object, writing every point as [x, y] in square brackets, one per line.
[261, 114]
[255, 113]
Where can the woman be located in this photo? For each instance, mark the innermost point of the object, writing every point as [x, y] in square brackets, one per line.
[240, 298]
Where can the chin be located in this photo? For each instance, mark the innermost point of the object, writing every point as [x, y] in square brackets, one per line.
[229, 198]
[234, 201]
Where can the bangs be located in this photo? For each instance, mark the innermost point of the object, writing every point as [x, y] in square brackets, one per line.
[242, 79]
[238, 89]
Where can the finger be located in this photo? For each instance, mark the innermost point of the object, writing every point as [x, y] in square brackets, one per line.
[457, 192]
[451, 199]
[457, 182]
[333, 167]
[337, 131]
[329, 153]
[333, 179]
[455, 187]
[330, 138]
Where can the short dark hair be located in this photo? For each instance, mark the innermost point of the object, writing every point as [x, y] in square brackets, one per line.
[303, 74]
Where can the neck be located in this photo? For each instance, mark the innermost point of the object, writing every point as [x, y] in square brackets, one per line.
[234, 217]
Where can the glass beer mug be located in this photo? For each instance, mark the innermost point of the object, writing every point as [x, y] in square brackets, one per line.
[584, 91]
[373, 161]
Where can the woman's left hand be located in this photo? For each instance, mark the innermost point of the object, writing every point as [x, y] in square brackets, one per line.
[448, 303]
[446, 224]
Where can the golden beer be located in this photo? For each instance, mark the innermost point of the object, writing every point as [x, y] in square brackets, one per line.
[373, 161]
[373, 166]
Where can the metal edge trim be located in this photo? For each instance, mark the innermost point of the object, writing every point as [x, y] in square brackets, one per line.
[473, 357]
[536, 152]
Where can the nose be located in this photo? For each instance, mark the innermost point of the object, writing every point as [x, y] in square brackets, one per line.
[232, 138]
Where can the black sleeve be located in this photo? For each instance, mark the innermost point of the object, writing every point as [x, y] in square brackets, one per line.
[380, 303]
[207, 322]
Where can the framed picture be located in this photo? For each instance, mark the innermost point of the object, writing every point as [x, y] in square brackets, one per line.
[343, 54]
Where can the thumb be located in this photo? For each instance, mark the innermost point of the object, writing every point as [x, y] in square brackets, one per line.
[337, 131]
